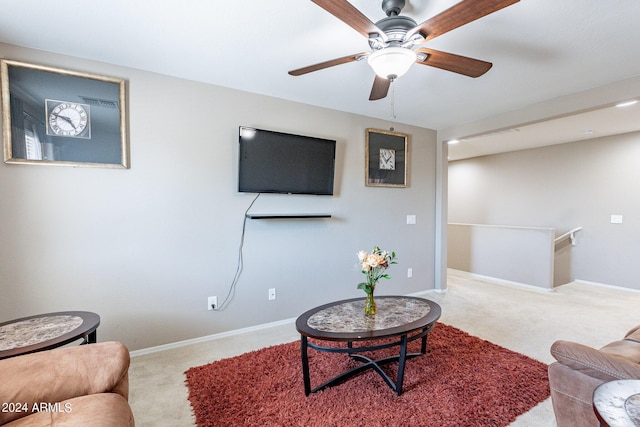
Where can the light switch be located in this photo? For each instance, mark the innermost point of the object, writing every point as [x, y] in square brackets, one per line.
[411, 219]
[616, 219]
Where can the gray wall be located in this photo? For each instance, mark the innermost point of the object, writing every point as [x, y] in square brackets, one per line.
[144, 247]
[562, 187]
[518, 254]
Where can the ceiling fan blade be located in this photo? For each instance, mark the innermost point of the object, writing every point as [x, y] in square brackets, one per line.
[457, 15]
[347, 13]
[455, 63]
[326, 64]
[380, 88]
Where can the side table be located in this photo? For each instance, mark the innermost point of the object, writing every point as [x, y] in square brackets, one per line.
[617, 403]
[47, 331]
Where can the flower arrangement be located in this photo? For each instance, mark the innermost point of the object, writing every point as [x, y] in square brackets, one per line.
[374, 265]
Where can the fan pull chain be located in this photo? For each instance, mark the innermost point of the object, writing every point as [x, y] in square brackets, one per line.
[393, 100]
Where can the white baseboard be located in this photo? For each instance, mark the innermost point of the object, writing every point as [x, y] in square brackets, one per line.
[422, 293]
[525, 286]
[220, 335]
[178, 344]
[498, 281]
[604, 285]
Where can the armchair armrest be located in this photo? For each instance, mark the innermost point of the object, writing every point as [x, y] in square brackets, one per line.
[594, 363]
[64, 373]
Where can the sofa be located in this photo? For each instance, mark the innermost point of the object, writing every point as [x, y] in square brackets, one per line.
[579, 369]
[86, 385]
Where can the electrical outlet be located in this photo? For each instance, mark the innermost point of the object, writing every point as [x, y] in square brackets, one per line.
[272, 294]
[409, 272]
[212, 303]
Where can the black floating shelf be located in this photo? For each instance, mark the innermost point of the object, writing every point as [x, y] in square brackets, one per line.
[287, 216]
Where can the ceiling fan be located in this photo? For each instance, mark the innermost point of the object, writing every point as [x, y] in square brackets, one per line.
[392, 40]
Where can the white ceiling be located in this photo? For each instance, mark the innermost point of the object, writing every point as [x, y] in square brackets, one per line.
[540, 50]
[606, 121]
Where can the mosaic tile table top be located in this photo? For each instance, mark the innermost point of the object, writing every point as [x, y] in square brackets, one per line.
[349, 316]
[618, 403]
[36, 330]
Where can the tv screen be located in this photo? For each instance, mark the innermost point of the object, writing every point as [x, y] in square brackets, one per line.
[275, 162]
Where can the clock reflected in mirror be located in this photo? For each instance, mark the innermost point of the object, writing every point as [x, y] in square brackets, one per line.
[387, 159]
[68, 119]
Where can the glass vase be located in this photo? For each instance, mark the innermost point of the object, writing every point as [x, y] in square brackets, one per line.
[370, 304]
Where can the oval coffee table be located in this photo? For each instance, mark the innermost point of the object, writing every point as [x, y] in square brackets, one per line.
[46, 331]
[404, 318]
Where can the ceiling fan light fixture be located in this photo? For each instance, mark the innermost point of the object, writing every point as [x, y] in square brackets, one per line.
[392, 62]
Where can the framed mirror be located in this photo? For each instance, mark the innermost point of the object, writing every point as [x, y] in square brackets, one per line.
[62, 117]
[386, 158]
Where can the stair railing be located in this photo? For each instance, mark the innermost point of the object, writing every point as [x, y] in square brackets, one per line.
[568, 235]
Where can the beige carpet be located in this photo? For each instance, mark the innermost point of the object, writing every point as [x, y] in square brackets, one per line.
[521, 319]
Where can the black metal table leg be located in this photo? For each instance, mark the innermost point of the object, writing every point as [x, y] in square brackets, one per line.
[401, 363]
[90, 338]
[423, 348]
[305, 365]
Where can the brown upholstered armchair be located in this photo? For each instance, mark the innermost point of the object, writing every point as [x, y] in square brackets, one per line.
[580, 369]
[86, 385]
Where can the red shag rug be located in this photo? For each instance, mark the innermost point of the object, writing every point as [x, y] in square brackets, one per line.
[461, 381]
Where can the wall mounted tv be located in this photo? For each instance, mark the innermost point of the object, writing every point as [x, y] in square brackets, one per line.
[275, 162]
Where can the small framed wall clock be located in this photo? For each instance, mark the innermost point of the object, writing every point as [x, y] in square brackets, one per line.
[386, 158]
[62, 117]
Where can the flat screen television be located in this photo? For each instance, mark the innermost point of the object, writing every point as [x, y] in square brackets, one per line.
[275, 162]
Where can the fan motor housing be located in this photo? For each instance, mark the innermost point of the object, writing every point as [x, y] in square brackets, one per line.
[395, 27]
